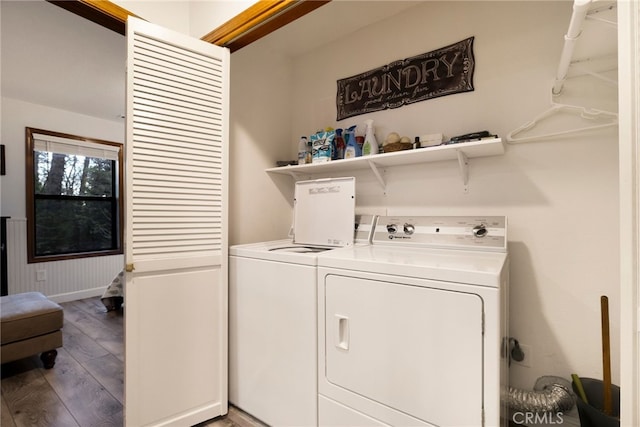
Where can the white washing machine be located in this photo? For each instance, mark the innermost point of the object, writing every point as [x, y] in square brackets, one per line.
[272, 306]
[410, 328]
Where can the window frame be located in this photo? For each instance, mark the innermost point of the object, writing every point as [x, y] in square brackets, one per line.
[31, 199]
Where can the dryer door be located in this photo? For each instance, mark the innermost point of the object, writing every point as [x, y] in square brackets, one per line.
[415, 349]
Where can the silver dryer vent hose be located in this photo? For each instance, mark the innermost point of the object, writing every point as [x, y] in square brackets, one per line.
[550, 394]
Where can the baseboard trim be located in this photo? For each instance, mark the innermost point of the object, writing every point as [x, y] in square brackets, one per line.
[76, 295]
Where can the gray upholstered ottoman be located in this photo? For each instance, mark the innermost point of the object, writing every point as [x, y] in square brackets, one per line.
[31, 324]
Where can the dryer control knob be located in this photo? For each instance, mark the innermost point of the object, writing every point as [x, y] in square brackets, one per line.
[392, 228]
[409, 229]
[480, 230]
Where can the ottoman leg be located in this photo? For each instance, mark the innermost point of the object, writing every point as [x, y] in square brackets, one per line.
[49, 358]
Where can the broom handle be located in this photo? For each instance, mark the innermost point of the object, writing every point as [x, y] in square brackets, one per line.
[606, 356]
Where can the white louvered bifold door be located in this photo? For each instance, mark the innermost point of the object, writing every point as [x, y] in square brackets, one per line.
[176, 238]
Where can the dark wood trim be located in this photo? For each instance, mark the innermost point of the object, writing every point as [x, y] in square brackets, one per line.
[259, 20]
[29, 190]
[246, 20]
[255, 22]
[302, 8]
[102, 12]
[4, 275]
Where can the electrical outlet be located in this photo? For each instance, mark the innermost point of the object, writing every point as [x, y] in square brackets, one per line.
[528, 356]
[41, 276]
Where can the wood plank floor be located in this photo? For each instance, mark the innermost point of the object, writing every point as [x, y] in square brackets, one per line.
[86, 386]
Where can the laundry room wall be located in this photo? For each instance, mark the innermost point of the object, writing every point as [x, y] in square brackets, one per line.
[560, 195]
[259, 135]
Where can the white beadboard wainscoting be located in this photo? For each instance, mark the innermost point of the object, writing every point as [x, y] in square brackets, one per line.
[66, 280]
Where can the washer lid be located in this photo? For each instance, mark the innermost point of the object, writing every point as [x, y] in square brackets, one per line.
[324, 212]
[277, 250]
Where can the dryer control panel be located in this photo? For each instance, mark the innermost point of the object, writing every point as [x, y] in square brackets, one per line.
[456, 232]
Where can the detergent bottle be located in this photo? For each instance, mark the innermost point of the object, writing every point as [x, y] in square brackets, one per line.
[370, 145]
[352, 148]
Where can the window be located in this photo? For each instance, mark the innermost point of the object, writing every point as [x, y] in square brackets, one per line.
[74, 207]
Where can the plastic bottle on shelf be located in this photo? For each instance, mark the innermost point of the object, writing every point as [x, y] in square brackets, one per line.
[370, 145]
[338, 153]
[302, 150]
[309, 153]
[352, 149]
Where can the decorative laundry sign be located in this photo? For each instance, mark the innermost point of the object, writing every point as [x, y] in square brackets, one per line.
[444, 71]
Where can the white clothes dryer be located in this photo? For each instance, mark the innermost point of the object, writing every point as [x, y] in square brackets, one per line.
[411, 327]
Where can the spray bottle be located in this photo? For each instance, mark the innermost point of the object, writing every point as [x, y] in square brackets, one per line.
[370, 145]
[352, 148]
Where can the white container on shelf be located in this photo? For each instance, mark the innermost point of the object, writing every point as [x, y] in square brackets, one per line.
[431, 140]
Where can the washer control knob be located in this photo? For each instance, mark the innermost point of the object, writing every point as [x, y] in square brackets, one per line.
[392, 228]
[409, 229]
[480, 230]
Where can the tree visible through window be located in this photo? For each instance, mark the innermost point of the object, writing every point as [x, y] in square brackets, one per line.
[73, 204]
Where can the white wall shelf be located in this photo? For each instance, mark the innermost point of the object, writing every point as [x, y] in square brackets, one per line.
[461, 152]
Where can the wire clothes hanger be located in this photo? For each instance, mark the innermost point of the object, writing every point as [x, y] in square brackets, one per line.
[598, 119]
[588, 118]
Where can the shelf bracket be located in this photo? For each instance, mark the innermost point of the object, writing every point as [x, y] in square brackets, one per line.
[463, 163]
[377, 174]
[296, 176]
[293, 175]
